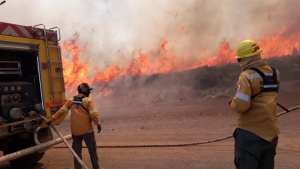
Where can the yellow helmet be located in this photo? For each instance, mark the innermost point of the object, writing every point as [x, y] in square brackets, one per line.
[247, 48]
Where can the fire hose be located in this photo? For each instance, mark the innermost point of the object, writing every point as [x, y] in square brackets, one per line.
[31, 150]
[221, 139]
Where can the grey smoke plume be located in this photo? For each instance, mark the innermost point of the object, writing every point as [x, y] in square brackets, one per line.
[113, 30]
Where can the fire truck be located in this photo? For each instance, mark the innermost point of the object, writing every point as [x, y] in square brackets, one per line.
[31, 84]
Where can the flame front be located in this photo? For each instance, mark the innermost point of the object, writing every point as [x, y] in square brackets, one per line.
[77, 71]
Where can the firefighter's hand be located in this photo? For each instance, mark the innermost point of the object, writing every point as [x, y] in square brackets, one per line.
[229, 102]
[46, 123]
[99, 128]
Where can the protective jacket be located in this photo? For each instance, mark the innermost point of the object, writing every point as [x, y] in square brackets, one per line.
[83, 113]
[255, 100]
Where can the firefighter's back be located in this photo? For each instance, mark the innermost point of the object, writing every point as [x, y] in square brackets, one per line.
[261, 117]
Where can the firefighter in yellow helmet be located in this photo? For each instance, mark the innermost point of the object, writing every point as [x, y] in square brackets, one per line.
[83, 114]
[255, 102]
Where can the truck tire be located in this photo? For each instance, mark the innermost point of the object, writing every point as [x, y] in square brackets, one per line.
[28, 161]
[18, 143]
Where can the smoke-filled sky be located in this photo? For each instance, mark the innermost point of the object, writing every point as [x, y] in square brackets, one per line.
[112, 30]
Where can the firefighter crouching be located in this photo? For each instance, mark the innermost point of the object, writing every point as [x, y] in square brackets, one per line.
[83, 114]
[255, 101]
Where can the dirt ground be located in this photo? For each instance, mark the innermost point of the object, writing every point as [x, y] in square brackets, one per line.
[173, 123]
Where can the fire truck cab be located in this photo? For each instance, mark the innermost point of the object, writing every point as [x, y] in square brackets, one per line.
[31, 83]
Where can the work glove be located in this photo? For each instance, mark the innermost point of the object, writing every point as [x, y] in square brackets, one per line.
[99, 128]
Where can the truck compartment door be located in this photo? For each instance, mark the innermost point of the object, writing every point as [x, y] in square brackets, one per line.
[57, 77]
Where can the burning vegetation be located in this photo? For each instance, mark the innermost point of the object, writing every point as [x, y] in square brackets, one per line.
[163, 61]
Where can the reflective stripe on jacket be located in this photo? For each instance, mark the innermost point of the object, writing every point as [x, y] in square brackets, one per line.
[81, 120]
[256, 114]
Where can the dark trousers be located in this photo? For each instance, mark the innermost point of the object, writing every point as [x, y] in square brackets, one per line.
[253, 152]
[90, 142]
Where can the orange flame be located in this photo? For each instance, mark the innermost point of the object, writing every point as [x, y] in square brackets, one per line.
[77, 71]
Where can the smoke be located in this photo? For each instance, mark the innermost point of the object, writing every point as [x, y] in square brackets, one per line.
[113, 30]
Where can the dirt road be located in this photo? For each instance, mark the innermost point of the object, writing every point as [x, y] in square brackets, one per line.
[175, 130]
[181, 122]
[214, 156]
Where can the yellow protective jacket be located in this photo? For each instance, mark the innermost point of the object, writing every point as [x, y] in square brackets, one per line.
[81, 120]
[256, 114]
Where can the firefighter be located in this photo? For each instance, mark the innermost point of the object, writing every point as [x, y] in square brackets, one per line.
[83, 114]
[255, 102]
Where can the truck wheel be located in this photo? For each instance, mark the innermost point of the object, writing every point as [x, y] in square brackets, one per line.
[27, 161]
[18, 144]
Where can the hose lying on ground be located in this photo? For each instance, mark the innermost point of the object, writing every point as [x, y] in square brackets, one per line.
[286, 111]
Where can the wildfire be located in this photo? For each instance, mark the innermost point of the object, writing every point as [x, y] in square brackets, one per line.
[77, 71]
